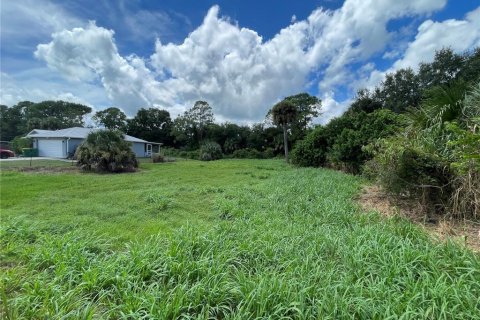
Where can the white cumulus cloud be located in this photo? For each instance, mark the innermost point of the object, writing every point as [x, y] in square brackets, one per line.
[459, 35]
[240, 74]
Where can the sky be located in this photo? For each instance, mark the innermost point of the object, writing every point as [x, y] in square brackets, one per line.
[241, 56]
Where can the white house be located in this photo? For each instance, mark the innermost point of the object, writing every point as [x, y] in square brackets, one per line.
[62, 143]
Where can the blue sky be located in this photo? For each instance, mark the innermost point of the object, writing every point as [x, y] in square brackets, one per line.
[240, 56]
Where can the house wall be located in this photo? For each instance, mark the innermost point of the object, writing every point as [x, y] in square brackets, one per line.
[139, 149]
[57, 148]
[73, 144]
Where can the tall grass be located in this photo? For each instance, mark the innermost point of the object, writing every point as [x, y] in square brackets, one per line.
[292, 246]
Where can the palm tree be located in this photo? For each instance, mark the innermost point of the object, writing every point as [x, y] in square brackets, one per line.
[283, 114]
[106, 151]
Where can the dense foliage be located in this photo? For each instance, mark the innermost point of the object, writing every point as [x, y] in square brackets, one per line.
[190, 128]
[418, 133]
[19, 143]
[51, 115]
[152, 125]
[111, 118]
[210, 150]
[106, 151]
[340, 143]
[437, 158]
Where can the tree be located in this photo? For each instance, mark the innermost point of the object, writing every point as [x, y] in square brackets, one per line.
[54, 115]
[190, 128]
[399, 91]
[106, 151]
[12, 120]
[111, 118]
[470, 72]
[308, 107]
[229, 135]
[152, 125]
[364, 101]
[283, 114]
[444, 69]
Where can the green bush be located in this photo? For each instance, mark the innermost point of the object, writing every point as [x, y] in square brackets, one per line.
[408, 171]
[311, 152]
[176, 153]
[20, 143]
[247, 153]
[269, 153]
[157, 158]
[347, 150]
[194, 154]
[437, 157]
[340, 143]
[210, 151]
[106, 151]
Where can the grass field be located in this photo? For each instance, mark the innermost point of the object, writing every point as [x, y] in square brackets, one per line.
[44, 163]
[236, 239]
[35, 163]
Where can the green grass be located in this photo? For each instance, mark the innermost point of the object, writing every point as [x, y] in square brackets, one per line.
[35, 163]
[157, 199]
[44, 163]
[226, 240]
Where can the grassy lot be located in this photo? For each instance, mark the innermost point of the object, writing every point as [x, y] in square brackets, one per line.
[36, 163]
[237, 239]
[9, 164]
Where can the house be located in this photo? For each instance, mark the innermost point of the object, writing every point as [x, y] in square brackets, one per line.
[63, 143]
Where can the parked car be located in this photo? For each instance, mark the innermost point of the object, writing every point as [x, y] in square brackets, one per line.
[5, 153]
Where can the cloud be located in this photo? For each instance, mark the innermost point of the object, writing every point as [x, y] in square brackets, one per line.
[90, 54]
[431, 36]
[41, 84]
[31, 20]
[460, 35]
[233, 68]
[243, 76]
[331, 108]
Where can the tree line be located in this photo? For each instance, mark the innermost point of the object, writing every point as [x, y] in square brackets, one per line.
[187, 133]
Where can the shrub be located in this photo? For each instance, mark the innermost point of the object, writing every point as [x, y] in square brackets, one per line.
[269, 153]
[347, 149]
[176, 153]
[311, 152]
[106, 151]
[339, 143]
[194, 154]
[247, 153]
[157, 158]
[210, 151]
[19, 143]
[437, 157]
[406, 170]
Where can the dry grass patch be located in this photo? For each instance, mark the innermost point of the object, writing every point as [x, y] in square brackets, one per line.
[465, 232]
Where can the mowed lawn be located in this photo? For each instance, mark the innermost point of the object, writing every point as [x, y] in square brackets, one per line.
[231, 239]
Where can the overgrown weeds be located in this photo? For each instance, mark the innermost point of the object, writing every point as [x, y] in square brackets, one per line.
[292, 246]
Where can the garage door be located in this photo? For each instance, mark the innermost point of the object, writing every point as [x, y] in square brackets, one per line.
[51, 148]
